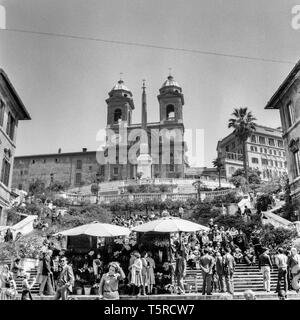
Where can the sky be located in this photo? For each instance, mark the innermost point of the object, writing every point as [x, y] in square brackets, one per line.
[64, 82]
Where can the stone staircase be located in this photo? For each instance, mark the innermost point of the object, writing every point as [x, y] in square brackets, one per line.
[33, 274]
[245, 277]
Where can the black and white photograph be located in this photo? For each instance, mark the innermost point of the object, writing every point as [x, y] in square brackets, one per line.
[149, 153]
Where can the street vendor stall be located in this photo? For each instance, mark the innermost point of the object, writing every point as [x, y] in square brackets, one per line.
[157, 234]
[88, 258]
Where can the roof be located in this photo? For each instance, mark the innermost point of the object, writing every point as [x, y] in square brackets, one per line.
[170, 82]
[19, 104]
[120, 86]
[57, 154]
[272, 103]
[259, 130]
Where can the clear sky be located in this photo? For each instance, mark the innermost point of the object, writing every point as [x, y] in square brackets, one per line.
[64, 82]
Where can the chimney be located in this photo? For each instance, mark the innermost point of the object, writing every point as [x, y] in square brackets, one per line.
[59, 150]
[84, 149]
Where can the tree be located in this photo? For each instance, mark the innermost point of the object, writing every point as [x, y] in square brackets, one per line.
[243, 125]
[218, 164]
[238, 178]
[37, 187]
[57, 186]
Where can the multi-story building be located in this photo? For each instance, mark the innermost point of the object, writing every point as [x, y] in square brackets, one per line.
[12, 110]
[287, 100]
[72, 169]
[265, 152]
[120, 106]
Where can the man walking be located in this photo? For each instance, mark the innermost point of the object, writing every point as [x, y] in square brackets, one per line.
[206, 265]
[229, 267]
[65, 281]
[46, 274]
[281, 262]
[265, 265]
[180, 271]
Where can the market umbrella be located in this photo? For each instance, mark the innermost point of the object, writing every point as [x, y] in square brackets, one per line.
[96, 229]
[170, 224]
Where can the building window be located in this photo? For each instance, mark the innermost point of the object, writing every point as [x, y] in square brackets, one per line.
[271, 163]
[11, 123]
[2, 109]
[283, 154]
[116, 171]
[233, 145]
[291, 112]
[78, 178]
[20, 187]
[275, 163]
[261, 150]
[253, 139]
[254, 160]
[264, 162]
[170, 112]
[117, 115]
[280, 143]
[297, 163]
[271, 142]
[51, 177]
[33, 161]
[262, 140]
[279, 153]
[274, 151]
[5, 172]
[265, 150]
[252, 148]
[79, 164]
[227, 148]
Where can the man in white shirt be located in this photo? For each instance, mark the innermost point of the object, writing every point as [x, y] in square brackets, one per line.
[281, 262]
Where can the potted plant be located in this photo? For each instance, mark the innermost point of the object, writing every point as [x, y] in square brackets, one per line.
[95, 289]
[87, 289]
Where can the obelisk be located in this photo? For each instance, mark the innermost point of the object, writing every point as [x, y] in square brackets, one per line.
[144, 160]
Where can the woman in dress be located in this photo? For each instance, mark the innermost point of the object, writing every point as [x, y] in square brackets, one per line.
[145, 280]
[8, 285]
[26, 287]
[151, 276]
[109, 284]
[136, 272]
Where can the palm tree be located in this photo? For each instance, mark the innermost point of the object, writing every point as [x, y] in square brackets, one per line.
[218, 164]
[243, 125]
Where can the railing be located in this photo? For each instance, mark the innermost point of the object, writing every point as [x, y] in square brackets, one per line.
[79, 199]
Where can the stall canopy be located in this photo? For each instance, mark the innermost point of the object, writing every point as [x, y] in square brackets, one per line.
[170, 224]
[97, 229]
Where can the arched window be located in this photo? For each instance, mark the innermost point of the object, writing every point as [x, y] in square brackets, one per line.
[117, 115]
[170, 112]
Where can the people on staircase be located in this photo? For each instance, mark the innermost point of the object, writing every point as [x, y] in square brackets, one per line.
[229, 268]
[26, 287]
[281, 262]
[294, 264]
[265, 265]
[206, 265]
[180, 271]
[65, 281]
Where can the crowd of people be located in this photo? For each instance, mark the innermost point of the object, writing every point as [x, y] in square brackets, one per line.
[126, 265]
